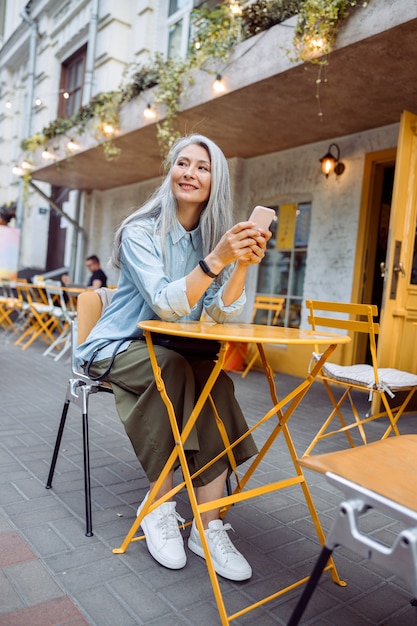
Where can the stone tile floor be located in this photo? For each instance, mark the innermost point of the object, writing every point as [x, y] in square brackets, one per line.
[51, 573]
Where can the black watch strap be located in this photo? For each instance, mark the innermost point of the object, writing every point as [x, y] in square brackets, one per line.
[206, 269]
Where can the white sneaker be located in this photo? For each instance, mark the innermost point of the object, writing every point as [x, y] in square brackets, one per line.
[163, 536]
[227, 561]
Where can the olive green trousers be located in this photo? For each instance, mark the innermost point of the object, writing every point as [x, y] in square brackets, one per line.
[145, 417]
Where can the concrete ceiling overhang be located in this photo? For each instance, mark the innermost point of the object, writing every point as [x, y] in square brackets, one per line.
[369, 83]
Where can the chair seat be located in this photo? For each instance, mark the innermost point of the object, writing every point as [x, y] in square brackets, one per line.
[390, 379]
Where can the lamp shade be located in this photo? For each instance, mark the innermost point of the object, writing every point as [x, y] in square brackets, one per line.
[331, 162]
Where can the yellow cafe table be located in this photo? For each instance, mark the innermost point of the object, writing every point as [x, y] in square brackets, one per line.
[281, 411]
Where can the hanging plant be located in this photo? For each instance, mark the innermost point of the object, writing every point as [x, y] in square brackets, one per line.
[263, 14]
[216, 33]
[317, 27]
[138, 78]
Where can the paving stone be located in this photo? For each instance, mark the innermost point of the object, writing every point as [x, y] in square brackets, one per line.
[275, 531]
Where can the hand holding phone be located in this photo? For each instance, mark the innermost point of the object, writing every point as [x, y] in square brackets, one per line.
[262, 216]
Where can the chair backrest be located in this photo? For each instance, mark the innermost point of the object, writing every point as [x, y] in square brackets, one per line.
[354, 318]
[89, 310]
[267, 303]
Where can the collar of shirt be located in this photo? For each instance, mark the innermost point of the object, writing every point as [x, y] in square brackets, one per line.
[180, 233]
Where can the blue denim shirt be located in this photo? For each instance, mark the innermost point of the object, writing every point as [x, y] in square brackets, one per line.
[146, 292]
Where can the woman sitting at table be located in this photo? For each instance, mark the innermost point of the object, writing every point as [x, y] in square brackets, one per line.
[179, 255]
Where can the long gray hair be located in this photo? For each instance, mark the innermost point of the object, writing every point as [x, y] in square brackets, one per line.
[216, 217]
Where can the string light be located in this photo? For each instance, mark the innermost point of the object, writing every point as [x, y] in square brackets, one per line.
[107, 129]
[235, 8]
[218, 85]
[47, 155]
[72, 146]
[8, 104]
[20, 170]
[38, 102]
[17, 171]
[149, 113]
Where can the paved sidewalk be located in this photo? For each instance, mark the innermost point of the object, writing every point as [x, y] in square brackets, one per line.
[51, 573]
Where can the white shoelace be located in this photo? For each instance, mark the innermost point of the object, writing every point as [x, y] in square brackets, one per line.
[168, 523]
[221, 539]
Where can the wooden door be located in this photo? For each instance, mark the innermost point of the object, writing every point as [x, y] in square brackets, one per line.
[398, 337]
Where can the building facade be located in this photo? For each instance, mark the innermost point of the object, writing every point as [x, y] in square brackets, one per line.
[276, 118]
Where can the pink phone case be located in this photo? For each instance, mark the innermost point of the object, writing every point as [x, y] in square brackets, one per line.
[262, 216]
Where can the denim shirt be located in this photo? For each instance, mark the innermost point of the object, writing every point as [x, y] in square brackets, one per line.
[146, 292]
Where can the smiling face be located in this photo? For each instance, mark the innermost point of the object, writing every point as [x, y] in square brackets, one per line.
[191, 182]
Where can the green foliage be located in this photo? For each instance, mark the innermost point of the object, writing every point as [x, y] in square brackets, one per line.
[318, 24]
[216, 33]
[172, 75]
[33, 142]
[263, 14]
[139, 78]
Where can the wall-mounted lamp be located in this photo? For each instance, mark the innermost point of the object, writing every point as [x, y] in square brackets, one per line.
[331, 163]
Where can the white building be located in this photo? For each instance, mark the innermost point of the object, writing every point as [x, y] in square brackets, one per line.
[333, 232]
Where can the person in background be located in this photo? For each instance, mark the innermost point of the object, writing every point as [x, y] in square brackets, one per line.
[4, 218]
[97, 279]
[179, 255]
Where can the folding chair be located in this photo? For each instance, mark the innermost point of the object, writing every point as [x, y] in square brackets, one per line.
[379, 477]
[369, 378]
[18, 310]
[79, 389]
[6, 304]
[40, 321]
[89, 309]
[269, 304]
[64, 317]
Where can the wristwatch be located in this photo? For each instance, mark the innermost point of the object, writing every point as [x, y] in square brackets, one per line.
[206, 269]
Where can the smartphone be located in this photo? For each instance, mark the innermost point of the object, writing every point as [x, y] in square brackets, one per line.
[262, 216]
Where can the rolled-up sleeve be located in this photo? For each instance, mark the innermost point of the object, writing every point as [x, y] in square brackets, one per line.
[218, 311]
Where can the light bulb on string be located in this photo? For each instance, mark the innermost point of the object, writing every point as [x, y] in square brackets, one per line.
[235, 8]
[72, 146]
[47, 155]
[17, 171]
[149, 113]
[218, 85]
[107, 129]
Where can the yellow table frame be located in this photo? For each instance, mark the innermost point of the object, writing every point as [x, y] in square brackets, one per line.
[283, 409]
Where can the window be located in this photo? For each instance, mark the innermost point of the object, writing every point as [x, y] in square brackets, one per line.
[72, 82]
[178, 27]
[282, 271]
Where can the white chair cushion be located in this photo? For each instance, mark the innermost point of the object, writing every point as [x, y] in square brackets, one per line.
[390, 379]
